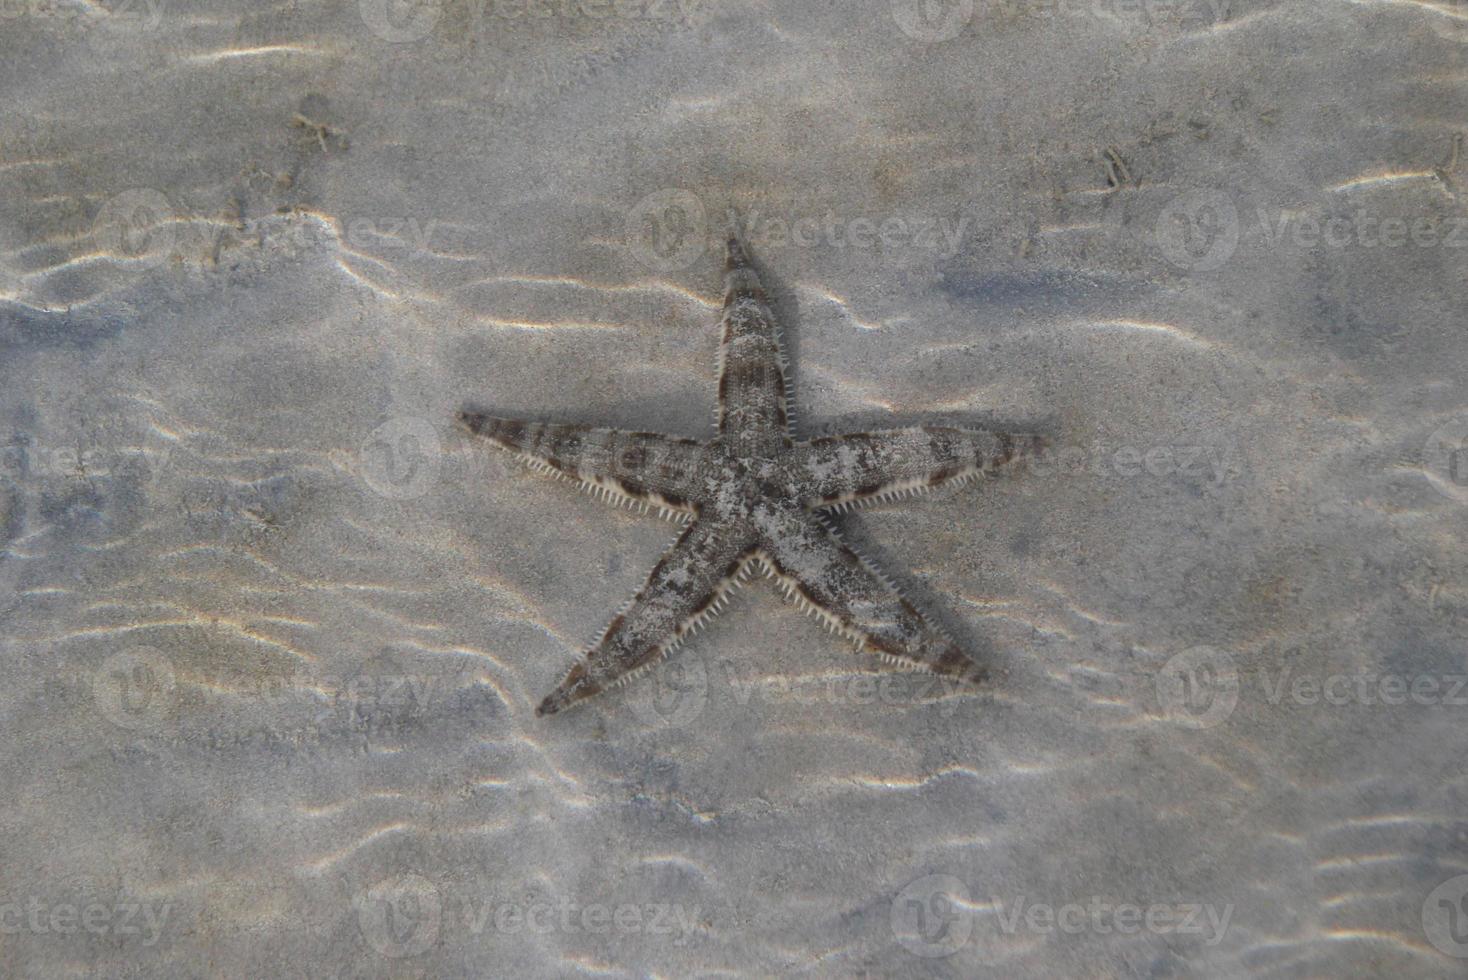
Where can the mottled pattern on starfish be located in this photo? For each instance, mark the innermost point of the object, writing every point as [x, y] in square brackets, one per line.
[754, 496]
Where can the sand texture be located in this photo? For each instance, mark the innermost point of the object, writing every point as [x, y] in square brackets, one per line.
[273, 628]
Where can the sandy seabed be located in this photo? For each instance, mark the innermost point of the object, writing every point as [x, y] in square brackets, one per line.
[272, 629]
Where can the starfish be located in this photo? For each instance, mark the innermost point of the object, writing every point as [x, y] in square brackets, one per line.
[755, 496]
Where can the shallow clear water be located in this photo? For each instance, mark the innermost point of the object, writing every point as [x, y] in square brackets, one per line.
[273, 629]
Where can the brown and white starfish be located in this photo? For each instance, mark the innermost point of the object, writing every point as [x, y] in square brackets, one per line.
[755, 495]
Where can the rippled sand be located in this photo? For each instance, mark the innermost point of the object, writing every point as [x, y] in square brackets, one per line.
[273, 630]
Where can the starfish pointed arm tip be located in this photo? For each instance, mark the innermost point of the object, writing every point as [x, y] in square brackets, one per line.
[845, 470]
[831, 580]
[636, 467]
[683, 591]
[753, 389]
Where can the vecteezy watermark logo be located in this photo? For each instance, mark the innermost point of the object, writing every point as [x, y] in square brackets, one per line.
[888, 690]
[137, 225]
[84, 455]
[931, 916]
[1103, 918]
[1199, 687]
[380, 699]
[1195, 464]
[1362, 229]
[942, 235]
[932, 21]
[1445, 917]
[135, 689]
[1198, 231]
[934, 917]
[668, 230]
[401, 916]
[400, 21]
[673, 694]
[404, 916]
[1445, 459]
[1367, 689]
[401, 458]
[120, 917]
[143, 227]
[598, 918]
[1148, 13]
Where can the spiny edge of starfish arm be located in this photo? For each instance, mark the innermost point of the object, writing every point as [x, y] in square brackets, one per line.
[961, 665]
[573, 686]
[618, 492]
[789, 409]
[878, 487]
[965, 668]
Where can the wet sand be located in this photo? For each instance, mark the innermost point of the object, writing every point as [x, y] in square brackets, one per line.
[274, 629]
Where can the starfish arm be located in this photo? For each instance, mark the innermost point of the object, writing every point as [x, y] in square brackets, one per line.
[827, 577]
[687, 586]
[753, 394]
[840, 471]
[637, 467]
